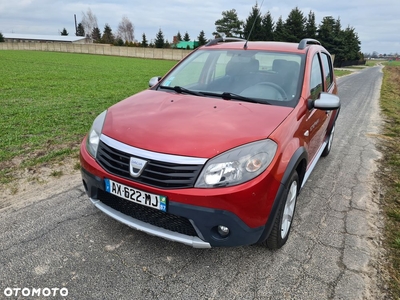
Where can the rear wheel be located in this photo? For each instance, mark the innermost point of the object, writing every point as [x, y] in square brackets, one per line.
[281, 228]
[328, 146]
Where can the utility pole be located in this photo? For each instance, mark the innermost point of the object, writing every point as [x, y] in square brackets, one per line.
[76, 26]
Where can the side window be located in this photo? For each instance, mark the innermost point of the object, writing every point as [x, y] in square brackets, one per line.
[327, 63]
[316, 78]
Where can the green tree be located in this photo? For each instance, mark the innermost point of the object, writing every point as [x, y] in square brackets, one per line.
[186, 37]
[159, 42]
[252, 29]
[64, 32]
[178, 37]
[96, 35]
[1, 38]
[80, 31]
[229, 25]
[267, 24]
[144, 42]
[119, 42]
[338, 46]
[202, 38]
[311, 27]
[295, 26]
[280, 31]
[351, 45]
[326, 34]
[108, 36]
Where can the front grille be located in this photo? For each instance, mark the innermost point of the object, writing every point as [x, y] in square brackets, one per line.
[148, 215]
[156, 173]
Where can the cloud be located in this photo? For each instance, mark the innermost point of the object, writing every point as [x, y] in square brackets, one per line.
[375, 22]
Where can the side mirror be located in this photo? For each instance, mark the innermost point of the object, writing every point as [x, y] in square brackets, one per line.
[326, 101]
[154, 81]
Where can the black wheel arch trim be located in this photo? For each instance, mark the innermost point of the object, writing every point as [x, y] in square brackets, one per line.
[332, 122]
[297, 158]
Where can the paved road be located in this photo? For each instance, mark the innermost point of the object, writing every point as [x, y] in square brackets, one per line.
[64, 242]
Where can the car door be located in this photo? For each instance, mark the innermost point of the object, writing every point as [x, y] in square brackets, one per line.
[316, 120]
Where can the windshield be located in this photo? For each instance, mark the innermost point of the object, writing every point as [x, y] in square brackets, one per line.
[267, 77]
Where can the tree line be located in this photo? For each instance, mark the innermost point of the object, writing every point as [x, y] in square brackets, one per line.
[344, 43]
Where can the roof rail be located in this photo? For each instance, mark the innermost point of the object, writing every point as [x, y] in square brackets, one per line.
[225, 39]
[304, 42]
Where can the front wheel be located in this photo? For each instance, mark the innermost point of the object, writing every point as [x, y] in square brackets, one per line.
[281, 228]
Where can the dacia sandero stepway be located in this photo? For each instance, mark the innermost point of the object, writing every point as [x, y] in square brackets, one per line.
[215, 152]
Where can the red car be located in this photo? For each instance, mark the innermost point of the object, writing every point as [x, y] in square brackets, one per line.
[215, 152]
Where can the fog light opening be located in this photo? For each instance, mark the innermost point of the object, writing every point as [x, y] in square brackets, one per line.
[223, 231]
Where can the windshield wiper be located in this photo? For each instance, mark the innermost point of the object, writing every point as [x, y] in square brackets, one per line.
[230, 96]
[181, 90]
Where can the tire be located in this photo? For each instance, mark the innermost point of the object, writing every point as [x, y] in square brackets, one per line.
[328, 146]
[281, 228]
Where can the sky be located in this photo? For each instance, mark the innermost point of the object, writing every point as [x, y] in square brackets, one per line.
[377, 23]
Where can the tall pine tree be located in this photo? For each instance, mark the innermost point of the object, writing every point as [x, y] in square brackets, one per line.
[159, 42]
[295, 26]
[186, 37]
[108, 36]
[80, 31]
[96, 35]
[267, 24]
[311, 28]
[144, 42]
[279, 33]
[202, 38]
[252, 29]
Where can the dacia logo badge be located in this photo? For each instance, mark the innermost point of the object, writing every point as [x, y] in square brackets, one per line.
[136, 166]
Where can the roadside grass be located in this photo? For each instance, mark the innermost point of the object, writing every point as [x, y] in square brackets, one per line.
[339, 73]
[48, 101]
[390, 170]
[358, 67]
[392, 63]
[374, 62]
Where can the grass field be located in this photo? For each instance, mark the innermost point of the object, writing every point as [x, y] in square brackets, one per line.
[48, 101]
[390, 169]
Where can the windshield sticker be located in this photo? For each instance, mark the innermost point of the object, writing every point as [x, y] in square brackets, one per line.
[168, 82]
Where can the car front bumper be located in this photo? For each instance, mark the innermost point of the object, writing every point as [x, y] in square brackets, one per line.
[203, 220]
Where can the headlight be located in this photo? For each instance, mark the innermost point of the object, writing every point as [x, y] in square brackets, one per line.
[238, 165]
[93, 138]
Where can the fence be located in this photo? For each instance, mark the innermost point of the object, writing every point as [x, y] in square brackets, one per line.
[341, 64]
[101, 49]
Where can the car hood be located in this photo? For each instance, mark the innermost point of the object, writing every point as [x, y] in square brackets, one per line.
[188, 125]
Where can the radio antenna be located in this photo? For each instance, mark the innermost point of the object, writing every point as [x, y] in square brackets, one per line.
[252, 27]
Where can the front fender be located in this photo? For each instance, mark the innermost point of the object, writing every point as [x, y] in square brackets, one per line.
[298, 162]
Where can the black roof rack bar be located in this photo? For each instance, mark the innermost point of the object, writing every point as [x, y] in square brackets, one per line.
[221, 39]
[304, 42]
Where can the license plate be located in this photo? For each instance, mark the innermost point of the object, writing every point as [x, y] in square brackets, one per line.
[135, 195]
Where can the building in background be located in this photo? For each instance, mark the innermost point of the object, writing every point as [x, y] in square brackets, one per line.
[39, 38]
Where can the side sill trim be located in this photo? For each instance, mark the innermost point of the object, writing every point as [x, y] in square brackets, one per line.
[314, 163]
[192, 241]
